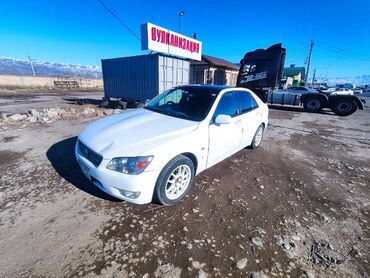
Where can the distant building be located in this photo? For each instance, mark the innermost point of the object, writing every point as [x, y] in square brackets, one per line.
[298, 74]
[212, 70]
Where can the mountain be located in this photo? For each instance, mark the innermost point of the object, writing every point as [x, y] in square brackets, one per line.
[357, 80]
[9, 66]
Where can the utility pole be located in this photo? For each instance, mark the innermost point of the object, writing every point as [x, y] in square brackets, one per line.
[30, 61]
[313, 77]
[180, 15]
[308, 60]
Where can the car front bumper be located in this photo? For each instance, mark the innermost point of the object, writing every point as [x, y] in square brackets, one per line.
[117, 184]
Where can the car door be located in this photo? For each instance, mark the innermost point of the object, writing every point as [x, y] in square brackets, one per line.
[250, 116]
[224, 139]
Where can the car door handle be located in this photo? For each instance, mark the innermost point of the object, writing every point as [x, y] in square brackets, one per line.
[238, 122]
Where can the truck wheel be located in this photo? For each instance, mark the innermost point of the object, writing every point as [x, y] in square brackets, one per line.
[312, 105]
[257, 139]
[344, 107]
[175, 180]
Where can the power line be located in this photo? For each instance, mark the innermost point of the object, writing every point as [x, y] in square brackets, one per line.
[344, 52]
[119, 20]
[294, 58]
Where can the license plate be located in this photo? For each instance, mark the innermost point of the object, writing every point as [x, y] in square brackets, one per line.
[84, 169]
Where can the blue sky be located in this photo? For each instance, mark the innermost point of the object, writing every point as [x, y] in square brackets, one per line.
[82, 32]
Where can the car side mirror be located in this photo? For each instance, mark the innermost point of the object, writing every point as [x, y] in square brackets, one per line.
[223, 119]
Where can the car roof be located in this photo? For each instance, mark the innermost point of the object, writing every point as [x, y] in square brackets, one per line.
[211, 88]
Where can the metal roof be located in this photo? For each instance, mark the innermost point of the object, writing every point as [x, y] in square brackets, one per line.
[217, 62]
[294, 71]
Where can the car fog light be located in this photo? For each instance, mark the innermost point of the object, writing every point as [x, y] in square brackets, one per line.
[130, 194]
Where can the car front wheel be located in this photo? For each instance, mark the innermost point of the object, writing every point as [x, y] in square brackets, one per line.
[175, 180]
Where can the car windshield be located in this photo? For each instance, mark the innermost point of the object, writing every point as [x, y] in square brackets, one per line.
[187, 103]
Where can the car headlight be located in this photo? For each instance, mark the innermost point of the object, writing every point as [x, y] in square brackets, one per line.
[130, 165]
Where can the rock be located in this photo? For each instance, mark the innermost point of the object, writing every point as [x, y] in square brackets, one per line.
[195, 210]
[257, 241]
[287, 247]
[52, 113]
[185, 229]
[278, 266]
[32, 119]
[88, 111]
[34, 112]
[324, 218]
[117, 111]
[108, 112]
[296, 238]
[309, 273]
[189, 246]
[289, 255]
[196, 264]
[3, 116]
[259, 274]
[242, 263]
[279, 240]
[202, 274]
[17, 117]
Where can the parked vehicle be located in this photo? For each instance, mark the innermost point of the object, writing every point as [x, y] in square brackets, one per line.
[261, 71]
[342, 91]
[157, 150]
[359, 90]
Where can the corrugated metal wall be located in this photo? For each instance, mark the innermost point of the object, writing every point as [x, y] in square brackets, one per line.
[172, 72]
[143, 77]
[133, 78]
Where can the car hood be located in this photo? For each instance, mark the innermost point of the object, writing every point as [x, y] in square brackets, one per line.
[133, 133]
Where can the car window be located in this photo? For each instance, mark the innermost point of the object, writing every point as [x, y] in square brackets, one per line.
[174, 97]
[246, 102]
[191, 103]
[227, 106]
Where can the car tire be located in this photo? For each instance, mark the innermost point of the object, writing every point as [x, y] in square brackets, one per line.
[258, 136]
[344, 107]
[104, 103]
[134, 104]
[313, 105]
[165, 192]
[122, 104]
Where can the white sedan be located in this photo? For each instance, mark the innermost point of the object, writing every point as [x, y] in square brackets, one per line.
[342, 91]
[155, 151]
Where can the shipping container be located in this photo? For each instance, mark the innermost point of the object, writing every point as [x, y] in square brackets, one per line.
[143, 77]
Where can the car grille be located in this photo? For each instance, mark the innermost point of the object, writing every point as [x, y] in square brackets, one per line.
[89, 154]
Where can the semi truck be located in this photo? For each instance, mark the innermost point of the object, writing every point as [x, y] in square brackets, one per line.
[262, 70]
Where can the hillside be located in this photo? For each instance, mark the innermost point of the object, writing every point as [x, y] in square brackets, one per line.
[9, 66]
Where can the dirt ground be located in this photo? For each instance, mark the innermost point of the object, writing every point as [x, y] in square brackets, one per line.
[296, 207]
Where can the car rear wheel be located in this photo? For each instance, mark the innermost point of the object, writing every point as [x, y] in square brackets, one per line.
[257, 139]
[344, 107]
[175, 180]
[312, 105]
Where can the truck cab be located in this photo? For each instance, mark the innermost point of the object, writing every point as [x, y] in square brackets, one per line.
[261, 71]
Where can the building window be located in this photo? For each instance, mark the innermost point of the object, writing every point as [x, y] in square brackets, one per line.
[209, 76]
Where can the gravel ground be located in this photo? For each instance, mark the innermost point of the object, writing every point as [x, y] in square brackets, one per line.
[297, 206]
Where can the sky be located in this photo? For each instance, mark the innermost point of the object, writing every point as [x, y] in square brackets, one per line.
[82, 32]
